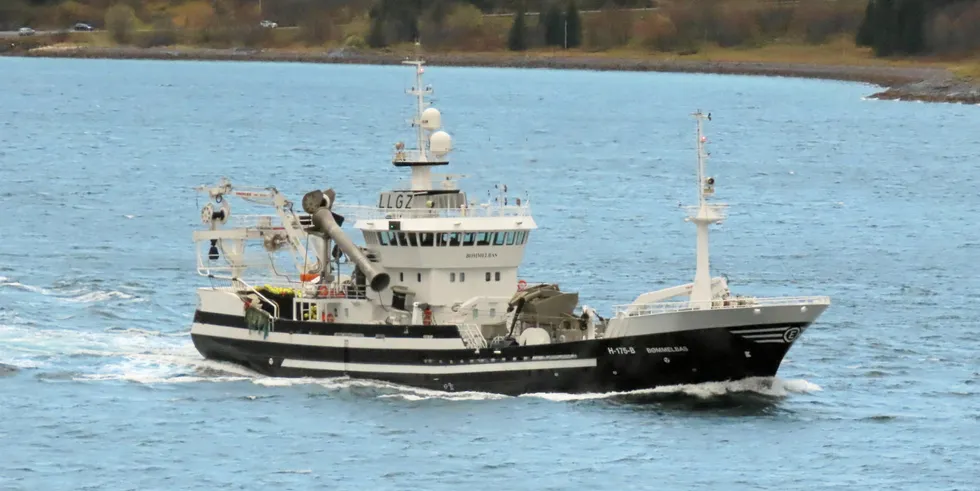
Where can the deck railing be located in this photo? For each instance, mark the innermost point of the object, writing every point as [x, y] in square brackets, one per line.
[360, 212]
[730, 303]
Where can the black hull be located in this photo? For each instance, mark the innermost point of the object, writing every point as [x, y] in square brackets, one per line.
[603, 365]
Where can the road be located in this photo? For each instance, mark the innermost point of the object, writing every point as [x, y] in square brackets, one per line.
[14, 34]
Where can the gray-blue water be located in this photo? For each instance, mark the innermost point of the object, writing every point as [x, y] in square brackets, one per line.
[873, 203]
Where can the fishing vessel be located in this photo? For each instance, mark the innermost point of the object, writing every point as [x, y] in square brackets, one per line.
[431, 296]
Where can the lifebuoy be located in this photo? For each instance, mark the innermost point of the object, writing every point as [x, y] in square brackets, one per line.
[521, 285]
[329, 317]
[323, 291]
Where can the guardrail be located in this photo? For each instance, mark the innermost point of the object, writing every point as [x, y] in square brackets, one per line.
[363, 212]
[275, 306]
[730, 303]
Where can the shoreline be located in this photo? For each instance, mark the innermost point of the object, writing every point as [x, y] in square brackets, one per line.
[925, 84]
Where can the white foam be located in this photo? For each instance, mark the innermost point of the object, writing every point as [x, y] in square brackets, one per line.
[774, 387]
[101, 296]
[133, 354]
[167, 368]
[28, 288]
[81, 295]
[449, 396]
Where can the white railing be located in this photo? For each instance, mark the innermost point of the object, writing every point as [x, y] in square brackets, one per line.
[445, 182]
[275, 306]
[415, 155]
[361, 212]
[472, 336]
[255, 221]
[730, 303]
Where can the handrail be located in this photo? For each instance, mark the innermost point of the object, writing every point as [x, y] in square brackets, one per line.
[729, 303]
[364, 212]
[275, 306]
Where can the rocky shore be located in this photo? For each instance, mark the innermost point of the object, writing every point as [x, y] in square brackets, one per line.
[929, 84]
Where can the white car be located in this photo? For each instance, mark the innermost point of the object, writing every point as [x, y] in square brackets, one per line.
[268, 24]
[26, 31]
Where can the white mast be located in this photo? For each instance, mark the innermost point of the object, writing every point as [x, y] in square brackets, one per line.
[430, 148]
[703, 215]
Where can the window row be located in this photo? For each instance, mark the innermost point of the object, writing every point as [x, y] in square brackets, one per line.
[462, 276]
[401, 277]
[430, 239]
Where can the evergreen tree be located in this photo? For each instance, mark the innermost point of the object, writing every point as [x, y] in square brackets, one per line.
[912, 22]
[866, 32]
[574, 25]
[516, 39]
[884, 28]
[554, 28]
[376, 35]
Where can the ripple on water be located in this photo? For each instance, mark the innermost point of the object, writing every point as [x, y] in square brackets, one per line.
[830, 194]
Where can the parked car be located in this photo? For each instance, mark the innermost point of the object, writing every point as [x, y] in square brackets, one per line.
[81, 26]
[26, 31]
[268, 24]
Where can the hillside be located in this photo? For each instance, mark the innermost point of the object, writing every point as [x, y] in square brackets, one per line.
[898, 34]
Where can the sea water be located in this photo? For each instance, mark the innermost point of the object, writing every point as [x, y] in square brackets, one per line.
[870, 202]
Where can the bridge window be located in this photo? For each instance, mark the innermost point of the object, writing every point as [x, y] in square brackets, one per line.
[498, 238]
[483, 238]
[454, 239]
[412, 239]
[468, 238]
[520, 238]
[383, 238]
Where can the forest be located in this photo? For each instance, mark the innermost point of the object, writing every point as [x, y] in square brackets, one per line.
[889, 27]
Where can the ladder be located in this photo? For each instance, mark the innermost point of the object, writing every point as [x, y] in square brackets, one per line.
[472, 336]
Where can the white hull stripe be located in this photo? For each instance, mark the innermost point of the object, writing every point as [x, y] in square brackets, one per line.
[760, 331]
[440, 369]
[328, 341]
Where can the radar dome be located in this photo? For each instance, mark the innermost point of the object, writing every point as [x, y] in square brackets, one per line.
[440, 143]
[431, 119]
